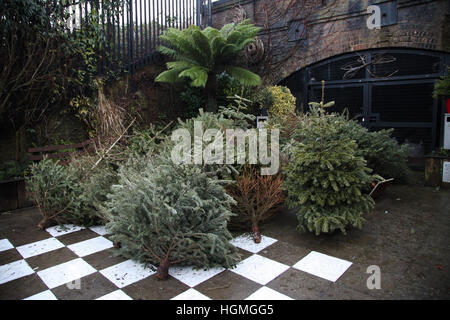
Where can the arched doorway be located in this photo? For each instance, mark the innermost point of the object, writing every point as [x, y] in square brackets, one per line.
[382, 88]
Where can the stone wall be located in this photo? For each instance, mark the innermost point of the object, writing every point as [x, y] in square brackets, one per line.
[329, 28]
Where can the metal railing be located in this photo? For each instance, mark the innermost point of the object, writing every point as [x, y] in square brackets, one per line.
[133, 31]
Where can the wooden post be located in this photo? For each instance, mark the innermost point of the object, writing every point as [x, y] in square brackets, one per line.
[433, 171]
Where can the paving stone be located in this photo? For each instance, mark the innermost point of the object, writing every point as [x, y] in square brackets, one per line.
[227, 285]
[115, 295]
[77, 236]
[50, 259]
[246, 242]
[323, 265]
[300, 285]
[100, 230]
[88, 247]
[89, 287]
[265, 293]
[259, 269]
[191, 294]
[5, 245]
[39, 247]
[192, 276]
[14, 270]
[284, 253]
[58, 231]
[45, 295]
[65, 272]
[126, 273]
[8, 256]
[151, 288]
[22, 287]
[104, 259]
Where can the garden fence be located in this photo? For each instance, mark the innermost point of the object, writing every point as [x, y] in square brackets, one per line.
[133, 29]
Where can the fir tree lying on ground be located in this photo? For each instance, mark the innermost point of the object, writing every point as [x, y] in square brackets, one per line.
[171, 214]
[326, 179]
[71, 193]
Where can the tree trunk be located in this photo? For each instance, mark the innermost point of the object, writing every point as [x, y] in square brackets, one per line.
[211, 93]
[45, 223]
[256, 233]
[163, 270]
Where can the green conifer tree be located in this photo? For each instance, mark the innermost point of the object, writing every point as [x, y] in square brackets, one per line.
[325, 179]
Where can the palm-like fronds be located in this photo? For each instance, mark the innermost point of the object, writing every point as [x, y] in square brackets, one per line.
[198, 53]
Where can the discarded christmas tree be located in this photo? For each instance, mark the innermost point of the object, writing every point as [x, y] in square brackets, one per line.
[325, 179]
[171, 215]
[257, 197]
[54, 189]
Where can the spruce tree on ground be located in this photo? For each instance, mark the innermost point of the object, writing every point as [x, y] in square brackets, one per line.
[171, 215]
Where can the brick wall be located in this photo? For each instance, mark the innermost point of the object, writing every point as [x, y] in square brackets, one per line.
[337, 27]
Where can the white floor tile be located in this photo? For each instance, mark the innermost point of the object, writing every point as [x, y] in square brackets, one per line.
[46, 295]
[192, 277]
[246, 242]
[259, 269]
[323, 266]
[39, 247]
[65, 272]
[100, 230]
[5, 245]
[126, 273]
[265, 293]
[57, 231]
[90, 246]
[116, 295]
[191, 294]
[14, 270]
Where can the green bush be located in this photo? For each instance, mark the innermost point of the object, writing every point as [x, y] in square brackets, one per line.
[13, 169]
[194, 98]
[278, 100]
[170, 214]
[442, 87]
[326, 179]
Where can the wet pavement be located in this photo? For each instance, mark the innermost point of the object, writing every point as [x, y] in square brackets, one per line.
[407, 237]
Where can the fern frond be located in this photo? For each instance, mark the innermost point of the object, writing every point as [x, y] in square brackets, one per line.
[170, 76]
[198, 75]
[244, 76]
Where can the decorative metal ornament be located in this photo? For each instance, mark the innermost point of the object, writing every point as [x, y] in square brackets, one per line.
[254, 52]
[352, 68]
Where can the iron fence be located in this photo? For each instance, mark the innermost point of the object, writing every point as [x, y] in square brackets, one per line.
[133, 29]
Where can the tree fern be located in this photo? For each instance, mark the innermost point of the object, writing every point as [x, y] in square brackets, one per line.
[200, 55]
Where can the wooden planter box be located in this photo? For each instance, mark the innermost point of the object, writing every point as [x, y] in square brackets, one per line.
[434, 171]
[13, 195]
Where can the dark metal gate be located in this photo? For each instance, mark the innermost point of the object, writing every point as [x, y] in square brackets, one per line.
[389, 88]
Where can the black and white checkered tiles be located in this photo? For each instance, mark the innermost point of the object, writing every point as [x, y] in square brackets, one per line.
[78, 263]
